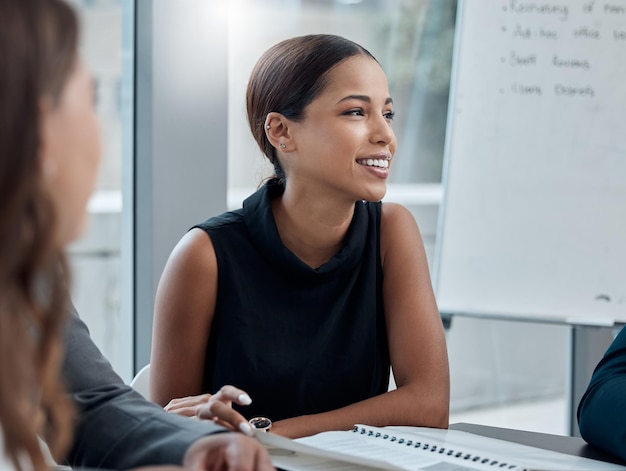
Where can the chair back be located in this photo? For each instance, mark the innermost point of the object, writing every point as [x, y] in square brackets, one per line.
[141, 381]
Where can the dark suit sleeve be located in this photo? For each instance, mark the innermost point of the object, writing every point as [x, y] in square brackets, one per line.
[117, 428]
[602, 410]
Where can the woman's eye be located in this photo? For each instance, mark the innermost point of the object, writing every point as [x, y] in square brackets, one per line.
[354, 112]
[390, 115]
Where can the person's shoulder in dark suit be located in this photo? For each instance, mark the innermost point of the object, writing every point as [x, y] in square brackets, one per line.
[602, 409]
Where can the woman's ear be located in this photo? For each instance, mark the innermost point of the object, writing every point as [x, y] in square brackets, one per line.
[277, 131]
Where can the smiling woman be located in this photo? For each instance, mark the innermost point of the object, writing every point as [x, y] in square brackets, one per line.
[337, 136]
[307, 295]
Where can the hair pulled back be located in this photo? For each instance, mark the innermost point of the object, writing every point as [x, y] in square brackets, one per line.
[289, 76]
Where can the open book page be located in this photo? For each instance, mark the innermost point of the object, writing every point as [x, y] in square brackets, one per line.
[522, 455]
[349, 451]
[399, 451]
[397, 448]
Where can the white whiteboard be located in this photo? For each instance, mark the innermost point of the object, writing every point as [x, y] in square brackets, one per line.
[533, 223]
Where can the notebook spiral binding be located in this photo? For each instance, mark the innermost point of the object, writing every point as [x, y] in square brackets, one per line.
[495, 464]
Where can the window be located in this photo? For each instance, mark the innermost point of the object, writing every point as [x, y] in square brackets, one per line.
[99, 258]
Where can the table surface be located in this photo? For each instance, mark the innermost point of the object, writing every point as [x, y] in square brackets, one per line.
[564, 444]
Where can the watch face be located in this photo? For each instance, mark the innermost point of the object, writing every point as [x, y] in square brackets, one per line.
[261, 423]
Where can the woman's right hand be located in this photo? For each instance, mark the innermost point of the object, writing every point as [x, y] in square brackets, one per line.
[187, 406]
[216, 407]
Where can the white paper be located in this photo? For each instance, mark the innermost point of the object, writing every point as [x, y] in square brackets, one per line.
[523, 455]
[348, 451]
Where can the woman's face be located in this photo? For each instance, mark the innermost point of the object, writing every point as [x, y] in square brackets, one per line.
[345, 142]
[70, 152]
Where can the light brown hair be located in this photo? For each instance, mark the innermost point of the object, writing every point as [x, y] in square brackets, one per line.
[38, 50]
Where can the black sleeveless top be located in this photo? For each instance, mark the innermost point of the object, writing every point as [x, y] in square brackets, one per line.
[299, 340]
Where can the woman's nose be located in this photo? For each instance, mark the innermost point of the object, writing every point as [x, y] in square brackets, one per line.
[382, 132]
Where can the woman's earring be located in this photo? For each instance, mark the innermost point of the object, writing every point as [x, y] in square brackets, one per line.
[267, 126]
[282, 145]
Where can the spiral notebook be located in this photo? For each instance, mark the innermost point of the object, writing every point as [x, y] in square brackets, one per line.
[416, 448]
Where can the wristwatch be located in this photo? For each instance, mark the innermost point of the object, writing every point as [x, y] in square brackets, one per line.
[262, 424]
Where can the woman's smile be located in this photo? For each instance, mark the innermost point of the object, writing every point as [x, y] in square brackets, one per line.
[377, 164]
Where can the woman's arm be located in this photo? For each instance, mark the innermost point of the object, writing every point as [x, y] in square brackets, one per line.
[183, 313]
[116, 428]
[417, 344]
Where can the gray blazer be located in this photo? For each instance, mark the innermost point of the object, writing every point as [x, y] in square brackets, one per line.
[117, 428]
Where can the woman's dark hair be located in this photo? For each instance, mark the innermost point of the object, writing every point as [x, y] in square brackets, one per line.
[38, 51]
[289, 76]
